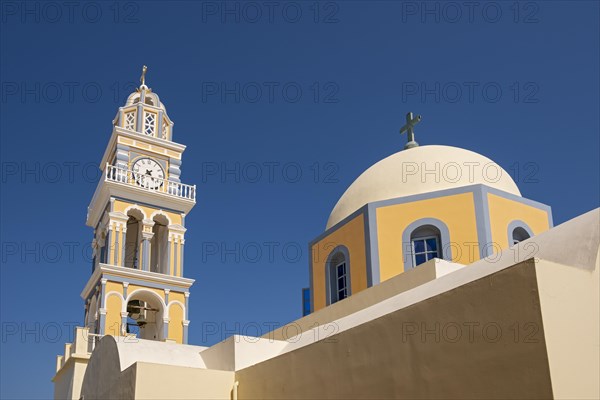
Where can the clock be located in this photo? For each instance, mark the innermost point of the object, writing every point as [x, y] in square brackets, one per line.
[148, 173]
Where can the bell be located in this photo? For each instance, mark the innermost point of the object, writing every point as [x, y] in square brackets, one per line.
[135, 308]
[141, 321]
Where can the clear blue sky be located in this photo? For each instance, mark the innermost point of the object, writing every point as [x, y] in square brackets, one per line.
[322, 91]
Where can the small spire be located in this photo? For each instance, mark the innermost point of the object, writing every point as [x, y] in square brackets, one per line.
[409, 129]
[143, 78]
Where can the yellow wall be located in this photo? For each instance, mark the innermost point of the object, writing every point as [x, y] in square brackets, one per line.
[113, 316]
[504, 211]
[140, 144]
[113, 306]
[457, 212]
[351, 235]
[175, 323]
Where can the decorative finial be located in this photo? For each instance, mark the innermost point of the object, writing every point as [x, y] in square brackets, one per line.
[408, 128]
[143, 77]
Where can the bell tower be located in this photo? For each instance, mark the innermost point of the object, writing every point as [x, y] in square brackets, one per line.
[138, 214]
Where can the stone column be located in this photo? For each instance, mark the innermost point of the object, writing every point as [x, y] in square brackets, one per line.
[147, 235]
[108, 244]
[118, 222]
[101, 308]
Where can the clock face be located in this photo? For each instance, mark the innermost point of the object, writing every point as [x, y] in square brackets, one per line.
[148, 173]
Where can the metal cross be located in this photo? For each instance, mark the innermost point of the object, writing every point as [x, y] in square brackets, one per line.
[409, 129]
[143, 77]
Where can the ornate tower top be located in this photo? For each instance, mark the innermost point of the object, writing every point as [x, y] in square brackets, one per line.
[144, 113]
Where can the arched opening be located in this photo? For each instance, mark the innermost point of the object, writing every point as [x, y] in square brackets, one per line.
[159, 245]
[338, 276]
[133, 239]
[519, 234]
[145, 314]
[425, 244]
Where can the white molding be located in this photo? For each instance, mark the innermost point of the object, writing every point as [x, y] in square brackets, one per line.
[134, 274]
[134, 207]
[160, 212]
[113, 293]
[158, 199]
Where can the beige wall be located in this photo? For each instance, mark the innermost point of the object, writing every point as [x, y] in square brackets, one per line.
[373, 295]
[67, 384]
[381, 359]
[570, 309]
[156, 381]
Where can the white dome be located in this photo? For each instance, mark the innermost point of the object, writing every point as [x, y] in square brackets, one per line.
[422, 169]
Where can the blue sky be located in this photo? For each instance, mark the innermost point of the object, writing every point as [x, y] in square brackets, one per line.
[308, 95]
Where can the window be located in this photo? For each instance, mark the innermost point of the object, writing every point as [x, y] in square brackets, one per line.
[425, 244]
[305, 302]
[519, 234]
[339, 278]
[149, 122]
[130, 120]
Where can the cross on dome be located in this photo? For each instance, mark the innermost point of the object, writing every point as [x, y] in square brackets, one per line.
[143, 78]
[409, 129]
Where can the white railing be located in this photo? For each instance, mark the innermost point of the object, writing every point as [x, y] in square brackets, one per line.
[150, 183]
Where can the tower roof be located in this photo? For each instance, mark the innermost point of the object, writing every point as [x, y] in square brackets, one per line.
[419, 170]
[144, 94]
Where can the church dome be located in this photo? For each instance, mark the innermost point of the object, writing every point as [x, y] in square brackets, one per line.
[150, 98]
[419, 170]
